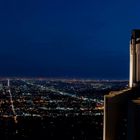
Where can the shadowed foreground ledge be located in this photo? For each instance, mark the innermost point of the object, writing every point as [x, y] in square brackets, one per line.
[121, 115]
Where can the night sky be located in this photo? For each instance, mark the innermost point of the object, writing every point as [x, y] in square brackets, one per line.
[67, 38]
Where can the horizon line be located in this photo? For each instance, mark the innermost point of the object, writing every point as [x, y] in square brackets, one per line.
[63, 78]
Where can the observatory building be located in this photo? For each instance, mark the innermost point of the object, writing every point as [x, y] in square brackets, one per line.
[122, 108]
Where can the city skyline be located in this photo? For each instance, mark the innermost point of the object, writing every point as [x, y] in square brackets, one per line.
[74, 39]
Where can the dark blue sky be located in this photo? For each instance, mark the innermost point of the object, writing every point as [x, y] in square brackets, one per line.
[67, 38]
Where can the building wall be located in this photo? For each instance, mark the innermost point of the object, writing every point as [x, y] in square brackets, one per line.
[115, 114]
[138, 62]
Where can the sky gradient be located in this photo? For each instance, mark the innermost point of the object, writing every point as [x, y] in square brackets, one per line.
[67, 38]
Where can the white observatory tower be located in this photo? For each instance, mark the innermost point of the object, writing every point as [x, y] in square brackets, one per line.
[134, 59]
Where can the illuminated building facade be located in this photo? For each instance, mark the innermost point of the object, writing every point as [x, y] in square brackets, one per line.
[134, 58]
